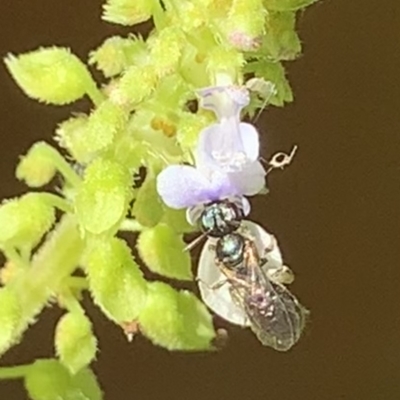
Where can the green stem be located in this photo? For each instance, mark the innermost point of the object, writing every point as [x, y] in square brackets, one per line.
[158, 16]
[76, 282]
[57, 202]
[70, 302]
[17, 372]
[94, 93]
[12, 255]
[63, 167]
[56, 259]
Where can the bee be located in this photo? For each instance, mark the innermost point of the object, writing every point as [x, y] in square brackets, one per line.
[243, 287]
[273, 312]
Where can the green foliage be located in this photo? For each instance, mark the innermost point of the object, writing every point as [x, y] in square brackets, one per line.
[50, 380]
[162, 250]
[10, 314]
[116, 282]
[148, 208]
[36, 168]
[102, 200]
[25, 220]
[141, 118]
[176, 320]
[282, 41]
[75, 343]
[51, 75]
[116, 54]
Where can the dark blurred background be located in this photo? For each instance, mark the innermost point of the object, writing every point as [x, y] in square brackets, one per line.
[335, 211]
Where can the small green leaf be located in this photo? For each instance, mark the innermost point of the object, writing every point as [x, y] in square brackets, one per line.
[116, 282]
[287, 5]
[176, 320]
[148, 208]
[103, 198]
[274, 73]
[10, 315]
[25, 220]
[51, 75]
[36, 168]
[104, 123]
[162, 250]
[281, 40]
[50, 380]
[176, 219]
[74, 341]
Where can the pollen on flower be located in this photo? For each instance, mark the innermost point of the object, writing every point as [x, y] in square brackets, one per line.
[163, 125]
[8, 272]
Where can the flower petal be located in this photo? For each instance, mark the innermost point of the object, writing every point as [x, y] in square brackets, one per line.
[182, 186]
[225, 101]
[250, 140]
[229, 145]
[250, 180]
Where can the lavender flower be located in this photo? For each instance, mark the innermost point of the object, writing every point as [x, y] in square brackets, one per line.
[229, 144]
[226, 157]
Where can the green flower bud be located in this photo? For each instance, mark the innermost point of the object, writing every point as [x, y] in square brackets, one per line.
[176, 320]
[50, 380]
[189, 15]
[86, 137]
[166, 49]
[137, 83]
[36, 168]
[128, 12]
[287, 5]
[103, 198]
[116, 282]
[51, 75]
[163, 251]
[10, 315]
[116, 54]
[69, 135]
[148, 208]
[25, 220]
[75, 343]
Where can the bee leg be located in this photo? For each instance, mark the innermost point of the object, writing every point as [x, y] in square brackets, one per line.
[282, 274]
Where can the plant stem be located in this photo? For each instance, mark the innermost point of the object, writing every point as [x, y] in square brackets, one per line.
[55, 260]
[17, 372]
[57, 201]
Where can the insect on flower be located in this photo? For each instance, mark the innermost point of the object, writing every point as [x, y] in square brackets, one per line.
[248, 290]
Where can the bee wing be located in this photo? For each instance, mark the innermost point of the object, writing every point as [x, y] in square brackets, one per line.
[276, 316]
[219, 299]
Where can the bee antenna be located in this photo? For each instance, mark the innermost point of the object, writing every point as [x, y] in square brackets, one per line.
[196, 241]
